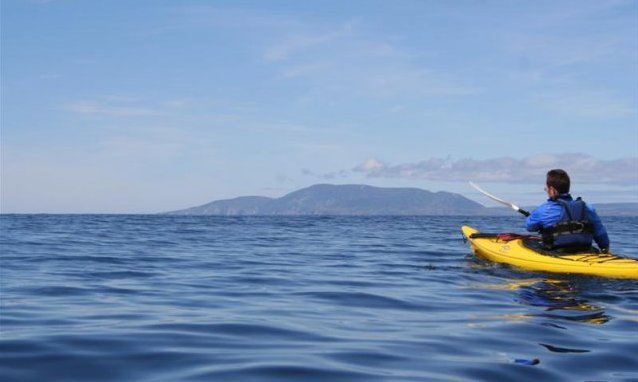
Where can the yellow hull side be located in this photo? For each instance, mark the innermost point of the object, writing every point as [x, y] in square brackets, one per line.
[514, 253]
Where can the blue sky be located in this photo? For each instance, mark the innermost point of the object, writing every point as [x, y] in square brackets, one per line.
[147, 106]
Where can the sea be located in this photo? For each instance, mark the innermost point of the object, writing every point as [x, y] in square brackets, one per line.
[312, 298]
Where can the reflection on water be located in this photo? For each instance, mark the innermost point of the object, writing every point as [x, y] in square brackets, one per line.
[560, 300]
[560, 304]
[557, 299]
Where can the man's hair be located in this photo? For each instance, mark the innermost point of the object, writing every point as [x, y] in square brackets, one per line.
[558, 179]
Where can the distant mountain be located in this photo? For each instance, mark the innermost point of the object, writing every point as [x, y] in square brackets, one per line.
[244, 205]
[327, 199]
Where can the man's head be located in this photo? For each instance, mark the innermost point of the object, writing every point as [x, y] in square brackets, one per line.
[557, 182]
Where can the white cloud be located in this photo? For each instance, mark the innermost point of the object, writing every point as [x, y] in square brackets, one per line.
[581, 167]
[370, 165]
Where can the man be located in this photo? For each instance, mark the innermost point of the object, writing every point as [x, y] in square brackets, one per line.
[567, 223]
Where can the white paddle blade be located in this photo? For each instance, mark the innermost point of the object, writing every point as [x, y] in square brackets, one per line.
[494, 198]
[479, 189]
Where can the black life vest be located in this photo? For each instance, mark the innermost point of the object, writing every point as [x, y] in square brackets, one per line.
[573, 230]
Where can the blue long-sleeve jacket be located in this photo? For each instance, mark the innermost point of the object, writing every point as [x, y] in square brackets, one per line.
[550, 212]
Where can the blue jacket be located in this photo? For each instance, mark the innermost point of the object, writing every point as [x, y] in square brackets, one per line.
[551, 212]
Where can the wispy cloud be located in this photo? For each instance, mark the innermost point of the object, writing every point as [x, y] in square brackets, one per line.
[50, 76]
[117, 109]
[345, 57]
[348, 59]
[306, 69]
[586, 104]
[582, 168]
[417, 81]
[557, 52]
[342, 174]
[548, 54]
[132, 106]
[187, 16]
[290, 45]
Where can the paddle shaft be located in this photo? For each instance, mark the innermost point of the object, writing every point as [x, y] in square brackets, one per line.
[504, 202]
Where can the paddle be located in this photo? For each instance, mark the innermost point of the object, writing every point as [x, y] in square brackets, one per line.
[510, 205]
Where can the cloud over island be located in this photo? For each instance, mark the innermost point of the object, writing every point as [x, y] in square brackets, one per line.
[583, 168]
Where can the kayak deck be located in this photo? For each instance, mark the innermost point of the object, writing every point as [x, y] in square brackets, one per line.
[515, 253]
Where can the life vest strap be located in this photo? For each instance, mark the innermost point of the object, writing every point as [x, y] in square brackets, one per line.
[569, 227]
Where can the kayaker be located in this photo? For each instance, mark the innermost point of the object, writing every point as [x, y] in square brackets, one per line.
[564, 222]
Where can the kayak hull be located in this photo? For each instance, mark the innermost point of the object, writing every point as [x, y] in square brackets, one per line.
[515, 253]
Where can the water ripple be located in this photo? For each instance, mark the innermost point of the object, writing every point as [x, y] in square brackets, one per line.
[183, 298]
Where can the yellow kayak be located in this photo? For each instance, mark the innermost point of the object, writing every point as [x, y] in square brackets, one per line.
[514, 252]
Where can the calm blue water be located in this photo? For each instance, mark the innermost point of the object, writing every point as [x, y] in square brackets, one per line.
[162, 298]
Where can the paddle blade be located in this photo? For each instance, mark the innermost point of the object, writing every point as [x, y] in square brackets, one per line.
[498, 200]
